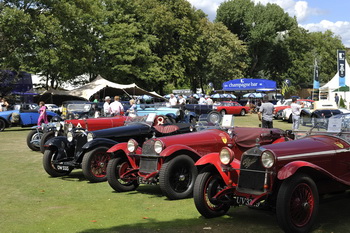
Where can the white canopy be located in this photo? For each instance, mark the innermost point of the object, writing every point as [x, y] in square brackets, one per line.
[108, 88]
[333, 84]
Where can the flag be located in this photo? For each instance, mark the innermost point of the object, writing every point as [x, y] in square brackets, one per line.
[316, 76]
[341, 67]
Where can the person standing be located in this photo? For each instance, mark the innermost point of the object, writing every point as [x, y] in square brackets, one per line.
[182, 100]
[192, 100]
[296, 110]
[336, 98]
[116, 108]
[208, 100]
[133, 108]
[202, 100]
[106, 109]
[265, 113]
[172, 100]
[42, 113]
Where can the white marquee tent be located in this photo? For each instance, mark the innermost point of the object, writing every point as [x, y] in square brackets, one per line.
[328, 88]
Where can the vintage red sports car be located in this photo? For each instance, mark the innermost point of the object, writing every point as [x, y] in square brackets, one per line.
[288, 177]
[170, 160]
[233, 108]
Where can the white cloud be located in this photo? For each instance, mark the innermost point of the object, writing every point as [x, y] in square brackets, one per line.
[341, 28]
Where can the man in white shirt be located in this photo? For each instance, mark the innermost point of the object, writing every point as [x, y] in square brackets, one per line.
[296, 110]
[172, 100]
[116, 108]
[202, 100]
[106, 110]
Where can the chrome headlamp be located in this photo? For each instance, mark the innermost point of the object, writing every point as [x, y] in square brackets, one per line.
[132, 145]
[226, 156]
[90, 137]
[70, 136]
[58, 126]
[267, 159]
[178, 113]
[158, 147]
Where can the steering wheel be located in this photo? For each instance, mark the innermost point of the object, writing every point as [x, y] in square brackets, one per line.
[160, 120]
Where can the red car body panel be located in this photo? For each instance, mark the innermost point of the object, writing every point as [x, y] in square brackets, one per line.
[235, 109]
[92, 124]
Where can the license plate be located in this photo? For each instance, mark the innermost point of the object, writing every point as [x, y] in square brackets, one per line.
[243, 200]
[62, 168]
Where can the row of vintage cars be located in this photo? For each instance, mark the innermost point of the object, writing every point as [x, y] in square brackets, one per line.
[219, 165]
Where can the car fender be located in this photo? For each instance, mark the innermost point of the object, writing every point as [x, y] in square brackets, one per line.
[61, 144]
[99, 142]
[291, 168]
[177, 147]
[124, 147]
[229, 177]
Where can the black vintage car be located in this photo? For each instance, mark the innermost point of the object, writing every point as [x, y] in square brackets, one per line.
[319, 112]
[87, 150]
[194, 111]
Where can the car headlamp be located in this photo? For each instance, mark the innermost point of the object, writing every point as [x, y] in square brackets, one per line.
[158, 147]
[70, 136]
[226, 156]
[132, 145]
[58, 126]
[70, 127]
[267, 159]
[90, 137]
[178, 113]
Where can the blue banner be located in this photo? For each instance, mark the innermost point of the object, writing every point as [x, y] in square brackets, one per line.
[316, 76]
[341, 67]
[249, 84]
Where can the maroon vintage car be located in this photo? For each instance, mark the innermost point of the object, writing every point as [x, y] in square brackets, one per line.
[170, 160]
[288, 177]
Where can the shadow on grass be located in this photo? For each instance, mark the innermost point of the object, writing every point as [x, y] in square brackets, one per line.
[73, 176]
[150, 190]
[16, 129]
[333, 217]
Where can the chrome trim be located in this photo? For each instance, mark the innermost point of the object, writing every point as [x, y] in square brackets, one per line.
[311, 154]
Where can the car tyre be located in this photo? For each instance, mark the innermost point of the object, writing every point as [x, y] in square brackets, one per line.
[2, 125]
[177, 176]
[50, 168]
[34, 135]
[297, 204]
[115, 168]
[45, 137]
[94, 164]
[242, 112]
[207, 185]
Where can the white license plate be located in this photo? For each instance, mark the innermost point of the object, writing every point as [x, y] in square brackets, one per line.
[62, 168]
[246, 201]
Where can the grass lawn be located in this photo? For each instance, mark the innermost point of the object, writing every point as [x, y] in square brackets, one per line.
[32, 201]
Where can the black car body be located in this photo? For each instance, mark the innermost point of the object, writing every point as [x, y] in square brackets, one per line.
[87, 150]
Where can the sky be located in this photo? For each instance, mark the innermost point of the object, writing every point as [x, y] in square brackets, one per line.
[313, 15]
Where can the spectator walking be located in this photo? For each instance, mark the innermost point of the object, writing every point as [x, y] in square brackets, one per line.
[265, 113]
[42, 113]
[106, 109]
[192, 100]
[296, 110]
[336, 98]
[116, 108]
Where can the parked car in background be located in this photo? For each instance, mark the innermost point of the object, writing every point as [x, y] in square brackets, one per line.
[27, 115]
[233, 108]
[319, 112]
[285, 104]
[174, 114]
[287, 178]
[88, 149]
[287, 112]
[53, 108]
[77, 109]
[169, 161]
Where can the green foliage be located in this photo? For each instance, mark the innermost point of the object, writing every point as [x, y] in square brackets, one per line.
[342, 102]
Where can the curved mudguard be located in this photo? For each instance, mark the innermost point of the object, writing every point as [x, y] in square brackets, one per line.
[61, 144]
[174, 148]
[99, 142]
[228, 173]
[124, 147]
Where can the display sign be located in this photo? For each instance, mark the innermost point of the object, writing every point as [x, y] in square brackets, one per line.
[248, 84]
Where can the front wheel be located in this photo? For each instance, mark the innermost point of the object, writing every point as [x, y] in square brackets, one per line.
[46, 136]
[297, 204]
[33, 139]
[94, 164]
[2, 125]
[207, 185]
[115, 169]
[242, 112]
[177, 176]
[51, 169]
